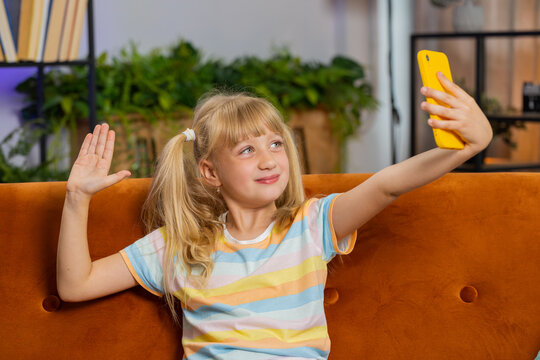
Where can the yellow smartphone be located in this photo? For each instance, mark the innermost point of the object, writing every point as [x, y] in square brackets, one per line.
[430, 62]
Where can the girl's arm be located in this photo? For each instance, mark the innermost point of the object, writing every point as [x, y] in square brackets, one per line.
[355, 207]
[78, 278]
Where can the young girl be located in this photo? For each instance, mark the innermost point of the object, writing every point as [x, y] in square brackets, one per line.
[230, 234]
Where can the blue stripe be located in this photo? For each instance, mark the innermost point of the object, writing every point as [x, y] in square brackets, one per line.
[261, 306]
[214, 350]
[328, 247]
[142, 269]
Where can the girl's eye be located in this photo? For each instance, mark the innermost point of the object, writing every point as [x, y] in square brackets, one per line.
[276, 144]
[247, 150]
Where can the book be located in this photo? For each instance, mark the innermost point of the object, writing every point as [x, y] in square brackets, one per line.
[24, 29]
[13, 9]
[35, 29]
[6, 35]
[67, 29]
[45, 11]
[54, 30]
[77, 30]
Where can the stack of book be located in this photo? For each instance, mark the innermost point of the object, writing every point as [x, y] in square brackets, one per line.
[41, 30]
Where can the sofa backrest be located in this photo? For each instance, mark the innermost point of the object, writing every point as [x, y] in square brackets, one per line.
[448, 271]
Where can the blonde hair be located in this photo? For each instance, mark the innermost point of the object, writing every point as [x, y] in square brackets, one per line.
[179, 198]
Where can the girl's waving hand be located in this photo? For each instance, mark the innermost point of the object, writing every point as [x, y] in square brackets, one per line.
[91, 168]
[355, 207]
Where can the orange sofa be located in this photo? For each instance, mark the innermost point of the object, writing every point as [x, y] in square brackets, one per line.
[449, 271]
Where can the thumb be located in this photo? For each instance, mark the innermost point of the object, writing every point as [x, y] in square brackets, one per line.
[117, 177]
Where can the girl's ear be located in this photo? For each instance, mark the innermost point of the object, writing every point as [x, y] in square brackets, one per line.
[209, 173]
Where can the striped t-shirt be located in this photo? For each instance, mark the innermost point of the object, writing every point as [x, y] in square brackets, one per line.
[264, 299]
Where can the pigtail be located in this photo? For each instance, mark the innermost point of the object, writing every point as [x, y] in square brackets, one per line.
[174, 201]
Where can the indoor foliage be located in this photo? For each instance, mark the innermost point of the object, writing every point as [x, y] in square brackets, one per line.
[163, 84]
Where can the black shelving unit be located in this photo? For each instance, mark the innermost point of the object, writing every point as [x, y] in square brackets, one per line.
[90, 62]
[480, 75]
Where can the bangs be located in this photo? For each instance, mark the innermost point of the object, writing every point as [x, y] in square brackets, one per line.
[242, 118]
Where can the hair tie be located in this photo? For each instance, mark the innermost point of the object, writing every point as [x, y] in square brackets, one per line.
[190, 134]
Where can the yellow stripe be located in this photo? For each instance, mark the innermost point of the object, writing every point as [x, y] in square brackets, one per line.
[286, 335]
[263, 280]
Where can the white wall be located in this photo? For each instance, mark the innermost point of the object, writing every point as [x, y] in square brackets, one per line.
[371, 149]
[312, 29]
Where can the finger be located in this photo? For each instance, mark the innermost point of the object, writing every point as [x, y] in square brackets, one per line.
[103, 135]
[116, 178]
[439, 110]
[85, 145]
[451, 87]
[105, 161]
[109, 146]
[443, 124]
[440, 96]
[92, 148]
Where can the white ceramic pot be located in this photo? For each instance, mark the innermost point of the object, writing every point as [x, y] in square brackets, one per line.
[468, 17]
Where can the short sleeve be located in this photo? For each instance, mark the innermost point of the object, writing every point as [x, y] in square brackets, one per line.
[144, 258]
[330, 245]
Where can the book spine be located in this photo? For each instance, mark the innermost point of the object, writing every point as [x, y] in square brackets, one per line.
[6, 35]
[24, 29]
[54, 30]
[45, 11]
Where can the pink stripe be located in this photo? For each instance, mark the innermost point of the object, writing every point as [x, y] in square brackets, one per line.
[157, 241]
[252, 323]
[312, 219]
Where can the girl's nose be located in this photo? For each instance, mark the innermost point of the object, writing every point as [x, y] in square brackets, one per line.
[267, 161]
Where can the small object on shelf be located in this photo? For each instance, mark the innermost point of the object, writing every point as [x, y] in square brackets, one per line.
[531, 97]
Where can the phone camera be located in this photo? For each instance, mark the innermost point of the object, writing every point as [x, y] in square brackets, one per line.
[427, 57]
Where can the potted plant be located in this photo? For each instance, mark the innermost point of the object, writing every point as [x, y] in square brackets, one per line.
[146, 98]
[149, 97]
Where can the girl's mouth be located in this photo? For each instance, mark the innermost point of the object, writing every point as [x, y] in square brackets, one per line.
[268, 179]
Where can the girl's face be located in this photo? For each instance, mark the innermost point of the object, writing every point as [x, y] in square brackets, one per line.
[254, 172]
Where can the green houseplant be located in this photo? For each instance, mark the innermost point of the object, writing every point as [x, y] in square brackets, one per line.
[165, 85]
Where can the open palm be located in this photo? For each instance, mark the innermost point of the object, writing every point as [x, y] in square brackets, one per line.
[90, 172]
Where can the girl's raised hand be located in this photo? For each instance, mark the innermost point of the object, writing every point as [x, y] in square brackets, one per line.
[90, 172]
[463, 115]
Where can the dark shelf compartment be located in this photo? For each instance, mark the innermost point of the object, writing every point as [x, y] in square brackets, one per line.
[534, 117]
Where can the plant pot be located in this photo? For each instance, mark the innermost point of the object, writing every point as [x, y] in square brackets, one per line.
[138, 142]
[318, 149]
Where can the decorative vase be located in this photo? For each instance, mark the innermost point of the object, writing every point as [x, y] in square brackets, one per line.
[468, 17]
